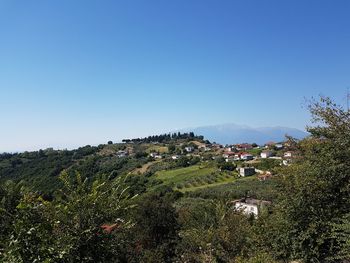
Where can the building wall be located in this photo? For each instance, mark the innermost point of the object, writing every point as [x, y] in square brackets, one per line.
[246, 172]
[247, 208]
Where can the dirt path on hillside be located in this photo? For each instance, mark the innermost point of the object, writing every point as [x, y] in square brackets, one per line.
[145, 167]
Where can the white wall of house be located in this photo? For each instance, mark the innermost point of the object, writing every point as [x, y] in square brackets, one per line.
[247, 208]
[287, 154]
[247, 157]
[246, 171]
[265, 154]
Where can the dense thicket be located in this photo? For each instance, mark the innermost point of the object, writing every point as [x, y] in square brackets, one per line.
[315, 193]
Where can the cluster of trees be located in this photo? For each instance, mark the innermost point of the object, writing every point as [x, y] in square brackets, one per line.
[267, 164]
[164, 138]
[225, 166]
[122, 220]
[40, 169]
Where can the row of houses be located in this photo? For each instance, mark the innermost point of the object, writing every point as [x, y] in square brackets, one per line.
[232, 156]
[236, 156]
[248, 146]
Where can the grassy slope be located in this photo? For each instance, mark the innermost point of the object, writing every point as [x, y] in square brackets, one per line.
[239, 188]
[221, 181]
[181, 174]
[144, 167]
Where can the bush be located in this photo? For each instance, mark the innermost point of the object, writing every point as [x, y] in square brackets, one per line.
[67, 229]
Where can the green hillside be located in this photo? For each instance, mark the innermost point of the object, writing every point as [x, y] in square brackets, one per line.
[123, 203]
[195, 177]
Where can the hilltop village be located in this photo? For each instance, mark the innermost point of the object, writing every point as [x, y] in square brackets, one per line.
[183, 161]
[246, 159]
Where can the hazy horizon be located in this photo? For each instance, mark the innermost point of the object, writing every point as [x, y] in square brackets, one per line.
[83, 72]
[76, 144]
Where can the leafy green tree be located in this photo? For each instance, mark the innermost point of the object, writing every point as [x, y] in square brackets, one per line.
[227, 166]
[183, 161]
[171, 148]
[81, 225]
[267, 164]
[315, 190]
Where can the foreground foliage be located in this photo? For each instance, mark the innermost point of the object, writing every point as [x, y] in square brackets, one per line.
[67, 229]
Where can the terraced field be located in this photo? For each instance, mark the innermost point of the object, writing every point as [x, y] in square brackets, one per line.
[194, 177]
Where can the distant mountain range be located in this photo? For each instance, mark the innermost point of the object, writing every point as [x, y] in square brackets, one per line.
[233, 133]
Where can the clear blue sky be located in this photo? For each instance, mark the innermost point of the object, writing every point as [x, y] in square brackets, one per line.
[84, 72]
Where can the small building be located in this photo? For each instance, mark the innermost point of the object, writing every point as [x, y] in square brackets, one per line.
[244, 146]
[288, 154]
[121, 154]
[228, 154]
[230, 149]
[247, 156]
[246, 171]
[175, 157]
[153, 155]
[237, 157]
[189, 149]
[250, 206]
[279, 146]
[266, 154]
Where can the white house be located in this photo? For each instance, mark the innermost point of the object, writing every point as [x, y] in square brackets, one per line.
[228, 154]
[158, 156]
[121, 154]
[246, 171]
[237, 157]
[244, 146]
[247, 156]
[250, 206]
[175, 157]
[279, 146]
[230, 149]
[266, 154]
[189, 149]
[288, 154]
